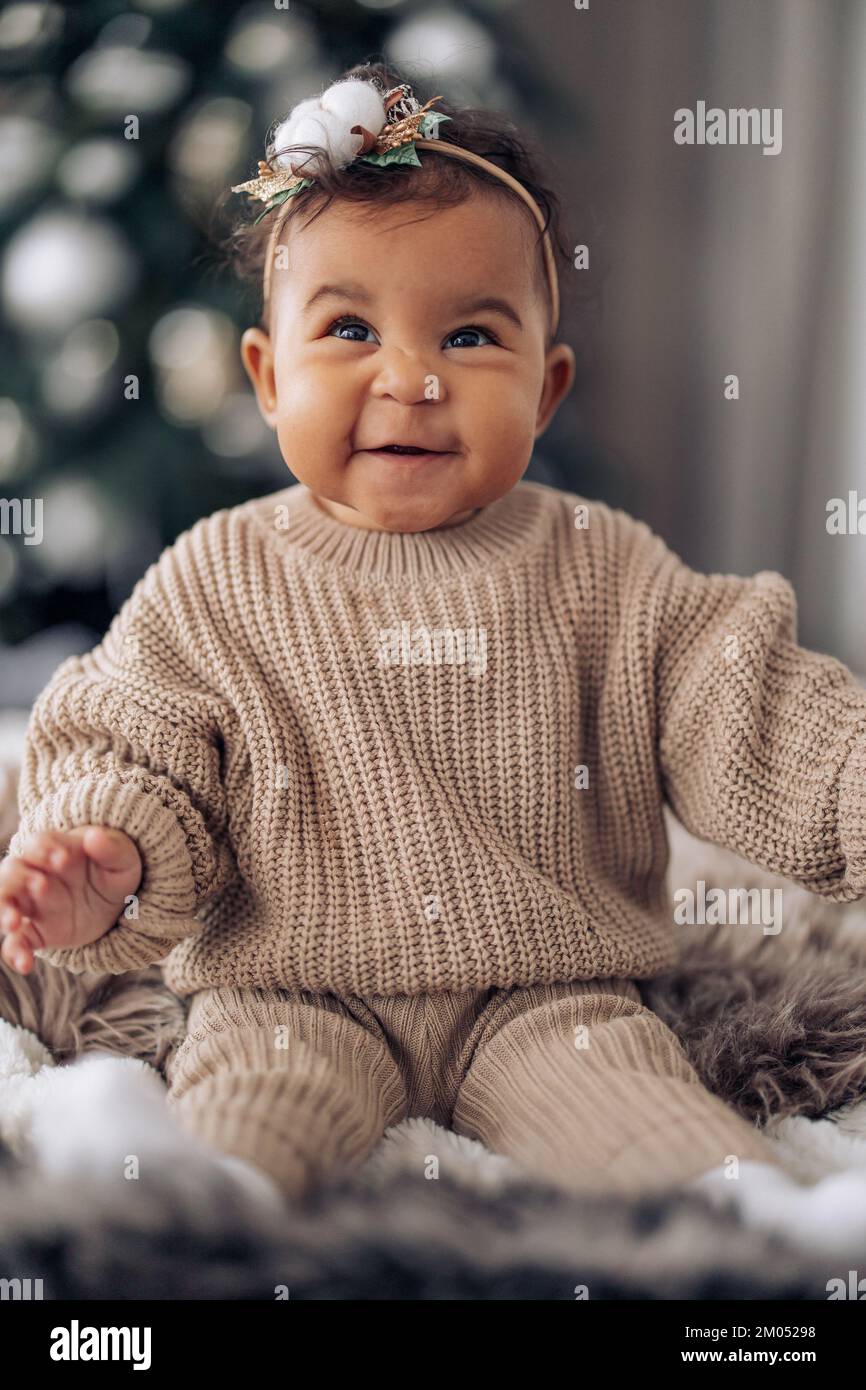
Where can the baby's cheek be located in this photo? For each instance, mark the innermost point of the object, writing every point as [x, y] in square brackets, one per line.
[504, 422]
[316, 418]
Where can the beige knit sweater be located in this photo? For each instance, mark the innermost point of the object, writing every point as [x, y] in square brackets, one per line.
[326, 798]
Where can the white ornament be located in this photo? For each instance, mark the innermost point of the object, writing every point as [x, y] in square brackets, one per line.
[326, 123]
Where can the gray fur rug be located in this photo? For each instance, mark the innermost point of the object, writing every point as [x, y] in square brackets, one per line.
[776, 1025]
[411, 1240]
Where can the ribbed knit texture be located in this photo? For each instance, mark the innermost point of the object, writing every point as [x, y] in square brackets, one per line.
[311, 816]
[578, 1083]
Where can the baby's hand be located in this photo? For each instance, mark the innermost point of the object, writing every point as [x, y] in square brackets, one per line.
[64, 888]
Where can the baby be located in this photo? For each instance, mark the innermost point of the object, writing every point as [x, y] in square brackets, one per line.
[376, 764]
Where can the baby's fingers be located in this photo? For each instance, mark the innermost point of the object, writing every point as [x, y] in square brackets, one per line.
[14, 899]
[112, 850]
[43, 901]
[18, 946]
[51, 850]
[27, 889]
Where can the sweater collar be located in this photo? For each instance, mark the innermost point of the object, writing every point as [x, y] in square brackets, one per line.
[509, 524]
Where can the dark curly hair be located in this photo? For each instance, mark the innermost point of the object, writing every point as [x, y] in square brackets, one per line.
[440, 182]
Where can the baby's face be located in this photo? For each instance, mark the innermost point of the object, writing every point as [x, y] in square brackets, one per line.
[387, 330]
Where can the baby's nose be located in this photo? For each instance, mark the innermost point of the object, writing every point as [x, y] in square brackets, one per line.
[407, 377]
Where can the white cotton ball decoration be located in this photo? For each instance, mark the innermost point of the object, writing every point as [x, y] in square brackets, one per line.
[325, 122]
[303, 108]
[327, 133]
[358, 103]
[284, 134]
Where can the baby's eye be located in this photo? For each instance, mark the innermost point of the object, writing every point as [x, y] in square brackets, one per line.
[353, 330]
[471, 333]
[337, 327]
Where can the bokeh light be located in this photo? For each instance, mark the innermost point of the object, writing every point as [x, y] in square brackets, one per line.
[195, 355]
[79, 531]
[262, 41]
[28, 149]
[115, 80]
[60, 268]
[18, 442]
[76, 380]
[210, 142]
[100, 170]
[27, 29]
[447, 42]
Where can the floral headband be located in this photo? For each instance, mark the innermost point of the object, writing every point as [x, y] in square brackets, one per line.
[356, 119]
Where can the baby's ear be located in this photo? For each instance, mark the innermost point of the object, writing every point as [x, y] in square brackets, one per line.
[258, 359]
[559, 372]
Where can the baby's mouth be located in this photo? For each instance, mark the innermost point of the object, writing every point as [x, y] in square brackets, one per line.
[410, 456]
[408, 449]
[404, 449]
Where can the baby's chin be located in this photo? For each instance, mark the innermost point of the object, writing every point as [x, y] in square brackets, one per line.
[383, 508]
[412, 525]
[410, 515]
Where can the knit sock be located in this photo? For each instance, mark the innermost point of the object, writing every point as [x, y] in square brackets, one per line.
[827, 1215]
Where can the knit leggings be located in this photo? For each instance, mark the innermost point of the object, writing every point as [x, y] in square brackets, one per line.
[578, 1083]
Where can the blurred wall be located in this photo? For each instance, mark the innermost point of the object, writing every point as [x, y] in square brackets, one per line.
[720, 259]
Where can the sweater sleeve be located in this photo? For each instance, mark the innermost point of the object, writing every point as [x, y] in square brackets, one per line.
[762, 742]
[129, 736]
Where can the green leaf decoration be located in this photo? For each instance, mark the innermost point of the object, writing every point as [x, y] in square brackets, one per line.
[430, 122]
[281, 197]
[401, 154]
